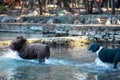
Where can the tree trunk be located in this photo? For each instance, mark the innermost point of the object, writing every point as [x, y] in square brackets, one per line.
[66, 5]
[89, 6]
[113, 6]
[40, 7]
[108, 4]
[59, 3]
[46, 1]
[23, 2]
[98, 7]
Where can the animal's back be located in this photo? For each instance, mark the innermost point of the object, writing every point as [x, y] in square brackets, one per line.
[44, 49]
[107, 55]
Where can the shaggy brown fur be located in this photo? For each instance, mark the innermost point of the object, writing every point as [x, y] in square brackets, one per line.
[30, 51]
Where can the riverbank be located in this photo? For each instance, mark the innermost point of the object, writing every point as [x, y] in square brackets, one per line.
[73, 41]
[98, 28]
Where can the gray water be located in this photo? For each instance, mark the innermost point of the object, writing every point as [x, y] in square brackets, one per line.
[63, 64]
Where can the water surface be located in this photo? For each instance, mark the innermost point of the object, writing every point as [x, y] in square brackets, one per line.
[63, 64]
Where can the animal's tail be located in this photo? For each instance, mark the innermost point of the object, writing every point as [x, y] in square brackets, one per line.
[47, 51]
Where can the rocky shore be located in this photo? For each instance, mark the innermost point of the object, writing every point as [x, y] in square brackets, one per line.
[98, 28]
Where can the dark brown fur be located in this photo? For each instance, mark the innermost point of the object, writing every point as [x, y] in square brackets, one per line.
[30, 51]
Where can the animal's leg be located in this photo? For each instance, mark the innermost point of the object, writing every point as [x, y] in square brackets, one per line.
[116, 60]
[115, 65]
[47, 52]
[41, 58]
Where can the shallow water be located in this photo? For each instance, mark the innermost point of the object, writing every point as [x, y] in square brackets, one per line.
[63, 64]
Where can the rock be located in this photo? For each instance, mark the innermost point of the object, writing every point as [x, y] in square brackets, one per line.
[117, 32]
[33, 13]
[77, 22]
[73, 32]
[108, 22]
[115, 21]
[92, 33]
[79, 33]
[50, 21]
[68, 19]
[61, 12]
[62, 29]
[7, 19]
[93, 21]
[53, 20]
[112, 21]
[98, 36]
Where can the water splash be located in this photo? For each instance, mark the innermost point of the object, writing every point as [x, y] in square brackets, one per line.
[96, 67]
[56, 61]
[14, 55]
[11, 55]
[102, 64]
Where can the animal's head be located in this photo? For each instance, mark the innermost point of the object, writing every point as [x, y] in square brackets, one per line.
[17, 43]
[94, 47]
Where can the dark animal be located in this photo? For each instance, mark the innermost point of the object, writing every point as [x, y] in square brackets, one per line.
[105, 54]
[30, 51]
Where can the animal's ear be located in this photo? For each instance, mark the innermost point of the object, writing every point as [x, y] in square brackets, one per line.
[19, 37]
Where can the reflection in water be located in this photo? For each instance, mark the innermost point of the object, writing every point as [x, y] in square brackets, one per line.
[64, 64]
